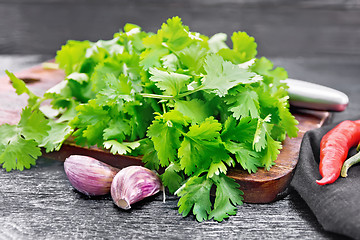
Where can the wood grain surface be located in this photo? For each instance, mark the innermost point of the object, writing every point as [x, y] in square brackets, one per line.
[41, 204]
[297, 28]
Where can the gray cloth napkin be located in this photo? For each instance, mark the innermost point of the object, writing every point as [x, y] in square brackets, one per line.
[336, 206]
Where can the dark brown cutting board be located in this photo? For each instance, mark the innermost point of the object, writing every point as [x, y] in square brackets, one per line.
[260, 187]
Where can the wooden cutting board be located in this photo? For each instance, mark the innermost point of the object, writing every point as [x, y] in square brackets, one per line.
[260, 187]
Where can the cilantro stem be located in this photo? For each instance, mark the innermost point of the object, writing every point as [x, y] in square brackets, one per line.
[158, 96]
[50, 65]
[150, 95]
[171, 50]
[190, 92]
[164, 107]
[38, 103]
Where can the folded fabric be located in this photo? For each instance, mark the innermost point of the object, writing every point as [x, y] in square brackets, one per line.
[337, 205]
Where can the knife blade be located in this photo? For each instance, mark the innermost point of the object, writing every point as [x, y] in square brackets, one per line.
[315, 96]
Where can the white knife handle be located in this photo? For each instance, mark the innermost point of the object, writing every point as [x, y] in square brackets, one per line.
[314, 96]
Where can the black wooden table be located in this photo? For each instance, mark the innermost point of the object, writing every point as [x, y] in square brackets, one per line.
[316, 41]
[41, 204]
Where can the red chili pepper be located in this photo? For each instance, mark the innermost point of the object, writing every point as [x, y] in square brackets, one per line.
[334, 148]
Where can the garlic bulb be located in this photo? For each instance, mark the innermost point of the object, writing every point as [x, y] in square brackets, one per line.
[88, 175]
[132, 184]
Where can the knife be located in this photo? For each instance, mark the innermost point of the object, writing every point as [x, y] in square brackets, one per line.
[315, 96]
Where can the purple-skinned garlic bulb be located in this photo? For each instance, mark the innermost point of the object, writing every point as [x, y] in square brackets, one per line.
[132, 184]
[88, 175]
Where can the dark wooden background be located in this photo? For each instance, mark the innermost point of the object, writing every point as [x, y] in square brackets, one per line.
[281, 27]
[317, 41]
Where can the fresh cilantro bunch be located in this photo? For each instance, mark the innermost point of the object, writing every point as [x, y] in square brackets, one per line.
[186, 103]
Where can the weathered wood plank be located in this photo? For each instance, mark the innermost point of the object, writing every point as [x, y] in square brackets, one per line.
[282, 28]
[41, 204]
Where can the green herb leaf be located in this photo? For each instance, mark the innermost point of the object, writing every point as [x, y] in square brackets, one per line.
[223, 75]
[196, 109]
[243, 103]
[171, 83]
[244, 48]
[33, 125]
[19, 145]
[120, 148]
[217, 42]
[195, 196]
[201, 146]
[249, 159]
[228, 196]
[58, 133]
[19, 153]
[21, 88]
[172, 177]
[167, 128]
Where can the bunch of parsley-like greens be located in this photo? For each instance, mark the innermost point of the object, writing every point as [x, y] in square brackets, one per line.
[185, 102]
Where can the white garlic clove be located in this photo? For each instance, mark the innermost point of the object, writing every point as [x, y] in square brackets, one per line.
[132, 184]
[88, 175]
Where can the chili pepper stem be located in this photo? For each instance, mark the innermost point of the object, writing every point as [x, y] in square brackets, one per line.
[348, 163]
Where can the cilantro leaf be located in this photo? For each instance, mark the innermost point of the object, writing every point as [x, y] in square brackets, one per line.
[125, 64]
[245, 45]
[117, 90]
[201, 146]
[228, 196]
[196, 109]
[19, 153]
[120, 147]
[243, 103]
[20, 88]
[170, 62]
[149, 153]
[18, 84]
[102, 70]
[270, 153]
[192, 58]
[154, 51]
[223, 75]
[242, 130]
[217, 42]
[172, 177]
[142, 114]
[78, 77]
[117, 129]
[7, 133]
[174, 34]
[33, 125]
[195, 195]
[90, 123]
[272, 77]
[171, 83]
[19, 145]
[58, 133]
[244, 48]
[72, 55]
[216, 167]
[167, 128]
[263, 127]
[288, 121]
[249, 159]
[131, 38]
